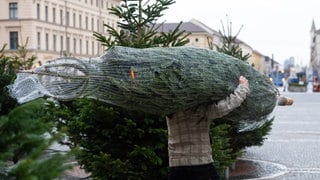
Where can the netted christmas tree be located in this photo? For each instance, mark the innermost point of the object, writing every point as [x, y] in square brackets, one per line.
[153, 80]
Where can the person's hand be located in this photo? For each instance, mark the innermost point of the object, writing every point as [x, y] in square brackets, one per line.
[243, 81]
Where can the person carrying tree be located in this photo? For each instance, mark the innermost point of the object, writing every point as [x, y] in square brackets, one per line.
[189, 146]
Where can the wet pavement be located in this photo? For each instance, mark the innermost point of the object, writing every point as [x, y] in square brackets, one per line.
[291, 150]
[254, 169]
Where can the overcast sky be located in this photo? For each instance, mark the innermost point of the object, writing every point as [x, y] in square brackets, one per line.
[273, 27]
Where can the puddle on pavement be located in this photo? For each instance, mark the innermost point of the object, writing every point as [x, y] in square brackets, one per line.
[247, 169]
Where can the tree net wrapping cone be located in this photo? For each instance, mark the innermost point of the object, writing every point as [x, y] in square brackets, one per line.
[154, 80]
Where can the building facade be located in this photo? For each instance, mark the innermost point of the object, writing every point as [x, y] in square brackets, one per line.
[204, 37]
[259, 63]
[55, 28]
[201, 36]
[315, 50]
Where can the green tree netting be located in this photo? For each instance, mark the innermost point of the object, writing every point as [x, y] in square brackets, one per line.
[153, 80]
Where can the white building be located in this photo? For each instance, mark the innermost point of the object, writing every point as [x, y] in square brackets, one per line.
[55, 28]
[315, 49]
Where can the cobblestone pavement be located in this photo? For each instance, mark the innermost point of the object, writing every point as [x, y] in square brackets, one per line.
[292, 147]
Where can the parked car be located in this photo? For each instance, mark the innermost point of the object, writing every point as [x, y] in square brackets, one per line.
[298, 83]
[277, 78]
[316, 85]
[292, 80]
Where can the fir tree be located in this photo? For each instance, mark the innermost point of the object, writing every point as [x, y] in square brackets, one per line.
[22, 130]
[230, 42]
[8, 69]
[139, 28]
[23, 144]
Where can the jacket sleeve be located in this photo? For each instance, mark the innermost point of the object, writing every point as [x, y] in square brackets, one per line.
[225, 106]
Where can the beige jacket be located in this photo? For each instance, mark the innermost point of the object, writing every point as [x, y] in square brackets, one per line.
[188, 131]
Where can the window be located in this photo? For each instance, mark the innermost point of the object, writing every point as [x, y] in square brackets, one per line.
[61, 43]
[87, 47]
[38, 11]
[92, 48]
[67, 18]
[74, 19]
[13, 10]
[87, 22]
[98, 48]
[54, 15]
[74, 45]
[46, 13]
[80, 21]
[98, 25]
[47, 42]
[38, 40]
[14, 40]
[80, 44]
[68, 44]
[103, 27]
[54, 43]
[61, 17]
[92, 24]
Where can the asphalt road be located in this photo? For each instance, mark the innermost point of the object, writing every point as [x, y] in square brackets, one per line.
[292, 149]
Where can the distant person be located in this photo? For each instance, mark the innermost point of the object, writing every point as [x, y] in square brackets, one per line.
[284, 84]
[316, 85]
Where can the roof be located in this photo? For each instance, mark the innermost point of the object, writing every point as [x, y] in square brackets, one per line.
[185, 26]
[193, 26]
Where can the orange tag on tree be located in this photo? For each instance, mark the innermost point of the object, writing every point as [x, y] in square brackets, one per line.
[132, 74]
